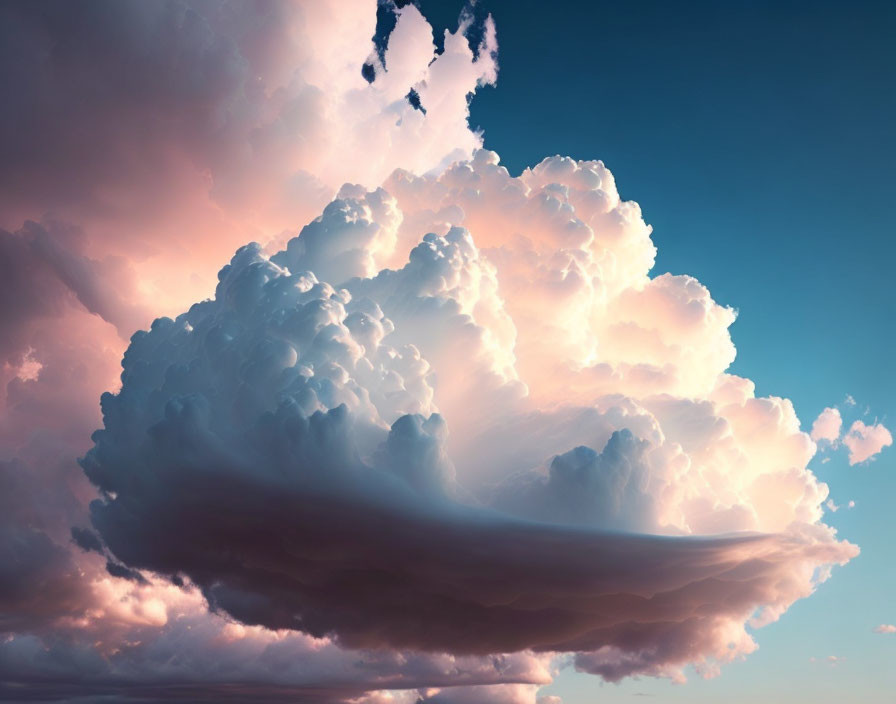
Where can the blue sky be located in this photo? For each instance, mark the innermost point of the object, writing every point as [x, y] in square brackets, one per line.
[758, 139]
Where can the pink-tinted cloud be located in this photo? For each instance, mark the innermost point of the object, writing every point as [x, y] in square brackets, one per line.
[171, 133]
[827, 426]
[866, 441]
[151, 640]
[885, 628]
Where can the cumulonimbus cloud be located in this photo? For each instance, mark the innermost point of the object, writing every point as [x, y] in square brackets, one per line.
[333, 457]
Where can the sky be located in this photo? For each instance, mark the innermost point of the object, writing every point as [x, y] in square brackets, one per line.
[494, 421]
[773, 122]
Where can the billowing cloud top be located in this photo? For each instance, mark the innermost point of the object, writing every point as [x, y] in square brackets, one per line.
[451, 429]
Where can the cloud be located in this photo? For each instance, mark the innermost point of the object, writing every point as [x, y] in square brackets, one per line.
[836, 507]
[87, 540]
[191, 655]
[39, 580]
[866, 441]
[885, 628]
[827, 426]
[606, 489]
[142, 122]
[501, 694]
[345, 400]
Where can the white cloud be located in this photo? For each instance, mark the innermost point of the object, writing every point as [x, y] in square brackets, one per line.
[885, 628]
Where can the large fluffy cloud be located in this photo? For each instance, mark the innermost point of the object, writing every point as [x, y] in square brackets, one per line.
[516, 441]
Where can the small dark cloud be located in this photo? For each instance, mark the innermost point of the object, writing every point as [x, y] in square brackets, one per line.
[87, 540]
[117, 570]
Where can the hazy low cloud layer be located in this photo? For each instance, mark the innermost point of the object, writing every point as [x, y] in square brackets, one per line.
[450, 430]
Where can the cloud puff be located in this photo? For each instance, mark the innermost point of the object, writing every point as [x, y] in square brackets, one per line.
[293, 446]
[827, 426]
[836, 507]
[885, 628]
[866, 441]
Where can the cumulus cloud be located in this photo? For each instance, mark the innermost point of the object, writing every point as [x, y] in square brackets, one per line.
[827, 426]
[866, 441]
[885, 628]
[452, 428]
